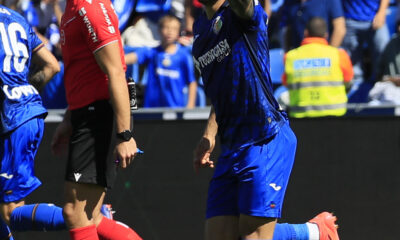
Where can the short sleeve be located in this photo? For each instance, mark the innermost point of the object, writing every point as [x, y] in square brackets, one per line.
[99, 24]
[34, 42]
[144, 54]
[335, 9]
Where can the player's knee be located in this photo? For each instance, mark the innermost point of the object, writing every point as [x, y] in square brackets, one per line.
[6, 211]
[70, 213]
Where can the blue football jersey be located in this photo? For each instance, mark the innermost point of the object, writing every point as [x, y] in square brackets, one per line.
[19, 101]
[240, 88]
[168, 76]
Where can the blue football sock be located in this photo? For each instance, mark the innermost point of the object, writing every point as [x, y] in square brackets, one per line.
[285, 231]
[5, 231]
[39, 217]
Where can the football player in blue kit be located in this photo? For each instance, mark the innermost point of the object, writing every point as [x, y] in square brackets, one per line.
[246, 193]
[22, 124]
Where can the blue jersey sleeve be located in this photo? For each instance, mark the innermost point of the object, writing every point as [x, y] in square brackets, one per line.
[144, 54]
[34, 39]
[335, 9]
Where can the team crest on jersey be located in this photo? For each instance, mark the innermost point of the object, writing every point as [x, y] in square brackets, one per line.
[166, 62]
[217, 25]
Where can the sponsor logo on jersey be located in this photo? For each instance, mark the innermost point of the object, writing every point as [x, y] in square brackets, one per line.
[275, 187]
[218, 53]
[111, 28]
[5, 175]
[217, 25]
[82, 12]
[18, 92]
[167, 73]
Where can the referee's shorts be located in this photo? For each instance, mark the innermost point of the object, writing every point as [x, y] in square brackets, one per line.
[90, 149]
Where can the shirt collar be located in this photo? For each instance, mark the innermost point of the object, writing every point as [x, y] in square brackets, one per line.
[318, 40]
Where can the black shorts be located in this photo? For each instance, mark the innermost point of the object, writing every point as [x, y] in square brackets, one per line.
[90, 150]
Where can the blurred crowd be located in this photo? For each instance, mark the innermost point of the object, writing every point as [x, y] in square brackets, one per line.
[157, 37]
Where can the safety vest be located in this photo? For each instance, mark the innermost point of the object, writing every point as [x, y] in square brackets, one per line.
[315, 81]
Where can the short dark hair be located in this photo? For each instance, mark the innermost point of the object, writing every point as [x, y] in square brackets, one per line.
[167, 18]
[316, 27]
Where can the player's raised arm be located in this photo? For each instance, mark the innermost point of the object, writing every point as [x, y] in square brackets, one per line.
[243, 8]
[45, 67]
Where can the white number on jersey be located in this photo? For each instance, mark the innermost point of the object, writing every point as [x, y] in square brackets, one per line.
[19, 53]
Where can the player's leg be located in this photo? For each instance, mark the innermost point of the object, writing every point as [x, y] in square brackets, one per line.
[17, 151]
[251, 227]
[222, 228]
[79, 210]
[89, 163]
[263, 171]
[222, 213]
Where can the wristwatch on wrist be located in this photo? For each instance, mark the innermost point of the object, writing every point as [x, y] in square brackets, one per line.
[125, 135]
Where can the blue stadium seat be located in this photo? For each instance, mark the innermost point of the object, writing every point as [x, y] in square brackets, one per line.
[276, 4]
[277, 65]
[124, 8]
[144, 6]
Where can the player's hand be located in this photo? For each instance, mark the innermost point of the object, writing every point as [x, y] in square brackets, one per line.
[125, 152]
[61, 137]
[379, 20]
[202, 154]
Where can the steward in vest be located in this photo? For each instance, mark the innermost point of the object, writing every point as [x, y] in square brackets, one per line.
[315, 74]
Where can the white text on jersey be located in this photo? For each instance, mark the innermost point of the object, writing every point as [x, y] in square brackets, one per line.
[219, 52]
[17, 92]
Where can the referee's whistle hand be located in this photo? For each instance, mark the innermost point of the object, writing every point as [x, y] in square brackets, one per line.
[125, 152]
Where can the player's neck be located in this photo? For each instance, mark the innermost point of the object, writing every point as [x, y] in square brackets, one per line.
[211, 10]
[169, 48]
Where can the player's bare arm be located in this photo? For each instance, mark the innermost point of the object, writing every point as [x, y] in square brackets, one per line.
[380, 16]
[109, 60]
[339, 30]
[206, 144]
[44, 67]
[131, 58]
[243, 8]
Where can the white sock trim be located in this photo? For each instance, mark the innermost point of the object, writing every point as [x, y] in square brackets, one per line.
[313, 231]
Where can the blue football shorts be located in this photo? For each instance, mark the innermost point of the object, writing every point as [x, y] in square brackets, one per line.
[17, 151]
[253, 180]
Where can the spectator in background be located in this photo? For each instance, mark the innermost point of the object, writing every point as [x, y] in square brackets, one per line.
[387, 90]
[170, 69]
[193, 8]
[296, 14]
[366, 33]
[315, 74]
